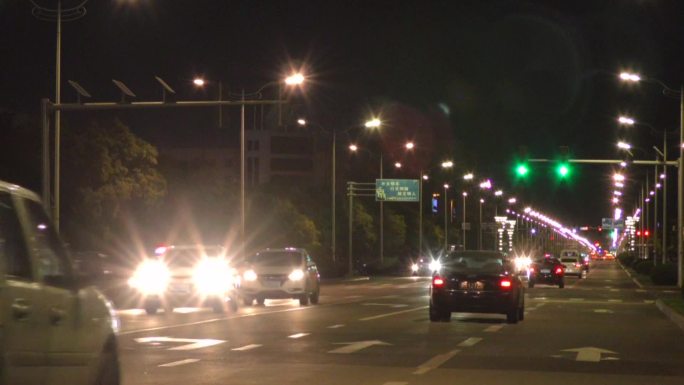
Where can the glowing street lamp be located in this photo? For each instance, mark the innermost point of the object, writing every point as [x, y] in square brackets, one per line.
[468, 176]
[425, 177]
[373, 123]
[624, 145]
[630, 77]
[410, 145]
[625, 120]
[512, 200]
[447, 164]
[498, 193]
[353, 147]
[618, 177]
[301, 122]
[397, 164]
[294, 79]
[199, 82]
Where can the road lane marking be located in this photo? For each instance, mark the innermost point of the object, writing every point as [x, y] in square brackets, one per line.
[391, 314]
[576, 299]
[337, 326]
[189, 343]
[494, 328]
[649, 301]
[435, 362]
[614, 289]
[354, 296]
[396, 383]
[178, 363]
[389, 296]
[614, 300]
[589, 353]
[470, 342]
[604, 311]
[384, 304]
[298, 335]
[247, 347]
[352, 347]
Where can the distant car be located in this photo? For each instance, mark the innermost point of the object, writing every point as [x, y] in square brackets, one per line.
[476, 282]
[279, 274]
[55, 327]
[574, 266]
[187, 275]
[424, 266]
[548, 270]
[609, 257]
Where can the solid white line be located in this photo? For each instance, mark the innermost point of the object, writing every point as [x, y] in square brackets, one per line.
[494, 328]
[246, 347]
[298, 335]
[614, 300]
[435, 362]
[178, 363]
[470, 342]
[337, 326]
[391, 314]
[576, 299]
[396, 383]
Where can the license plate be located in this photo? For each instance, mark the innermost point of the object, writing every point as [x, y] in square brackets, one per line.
[180, 287]
[472, 285]
[272, 283]
[545, 271]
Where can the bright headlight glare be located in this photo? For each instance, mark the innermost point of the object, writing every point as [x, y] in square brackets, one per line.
[151, 277]
[249, 275]
[522, 263]
[414, 267]
[435, 265]
[213, 276]
[296, 275]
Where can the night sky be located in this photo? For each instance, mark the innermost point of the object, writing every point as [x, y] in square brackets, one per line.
[491, 75]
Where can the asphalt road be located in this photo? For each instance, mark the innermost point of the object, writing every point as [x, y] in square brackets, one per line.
[600, 330]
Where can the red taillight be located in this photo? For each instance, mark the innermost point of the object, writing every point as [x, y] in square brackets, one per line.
[505, 283]
[437, 281]
[559, 270]
[578, 264]
[531, 269]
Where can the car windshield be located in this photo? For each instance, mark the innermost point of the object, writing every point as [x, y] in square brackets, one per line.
[277, 258]
[474, 262]
[188, 257]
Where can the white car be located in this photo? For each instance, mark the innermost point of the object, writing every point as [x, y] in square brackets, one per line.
[55, 328]
[187, 275]
[280, 273]
[573, 266]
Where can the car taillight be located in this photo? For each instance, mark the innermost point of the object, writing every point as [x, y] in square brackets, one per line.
[505, 284]
[531, 269]
[578, 264]
[437, 281]
[559, 270]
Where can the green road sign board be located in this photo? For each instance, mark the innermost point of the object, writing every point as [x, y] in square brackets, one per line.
[396, 190]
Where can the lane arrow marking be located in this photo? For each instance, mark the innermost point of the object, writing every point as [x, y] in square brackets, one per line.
[190, 343]
[589, 353]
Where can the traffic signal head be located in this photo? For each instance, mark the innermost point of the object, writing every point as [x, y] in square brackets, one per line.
[563, 170]
[647, 233]
[522, 170]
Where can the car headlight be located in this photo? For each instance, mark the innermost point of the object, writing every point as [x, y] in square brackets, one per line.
[414, 267]
[151, 277]
[296, 275]
[435, 265]
[213, 276]
[249, 275]
[522, 263]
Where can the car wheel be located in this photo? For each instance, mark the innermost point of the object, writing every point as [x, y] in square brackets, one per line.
[108, 372]
[521, 312]
[561, 284]
[260, 301]
[315, 296]
[247, 301]
[233, 304]
[530, 284]
[512, 316]
[304, 300]
[217, 307]
[151, 309]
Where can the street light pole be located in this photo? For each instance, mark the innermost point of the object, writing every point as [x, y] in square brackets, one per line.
[446, 209]
[465, 194]
[665, 228]
[333, 235]
[680, 192]
[242, 171]
[420, 215]
[382, 222]
[479, 235]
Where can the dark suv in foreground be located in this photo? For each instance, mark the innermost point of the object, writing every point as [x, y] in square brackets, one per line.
[476, 282]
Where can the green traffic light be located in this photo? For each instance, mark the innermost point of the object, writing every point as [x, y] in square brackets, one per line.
[563, 170]
[522, 170]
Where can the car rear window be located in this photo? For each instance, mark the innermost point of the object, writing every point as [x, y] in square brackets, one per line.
[277, 258]
[569, 260]
[475, 262]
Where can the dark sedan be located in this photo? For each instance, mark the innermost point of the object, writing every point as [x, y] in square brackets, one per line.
[548, 270]
[476, 282]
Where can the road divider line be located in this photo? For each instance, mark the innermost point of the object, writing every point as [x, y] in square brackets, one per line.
[391, 314]
[494, 328]
[470, 342]
[179, 363]
[246, 347]
[435, 362]
[298, 335]
[396, 383]
[336, 326]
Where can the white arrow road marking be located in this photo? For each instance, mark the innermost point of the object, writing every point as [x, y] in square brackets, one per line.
[391, 314]
[178, 363]
[190, 343]
[337, 326]
[298, 335]
[356, 346]
[470, 342]
[435, 362]
[246, 347]
[494, 328]
[589, 353]
[604, 311]
[395, 305]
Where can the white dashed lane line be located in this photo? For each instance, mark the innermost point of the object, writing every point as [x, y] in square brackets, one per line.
[179, 363]
[298, 335]
[435, 362]
[337, 326]
[494, 328]
[469, 342]
[246, 347]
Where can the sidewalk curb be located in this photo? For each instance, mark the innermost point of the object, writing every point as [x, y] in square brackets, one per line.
[630, 275]
[675, 317]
